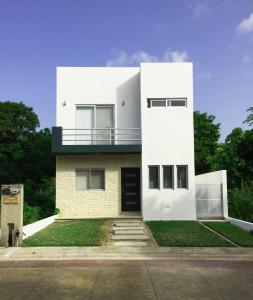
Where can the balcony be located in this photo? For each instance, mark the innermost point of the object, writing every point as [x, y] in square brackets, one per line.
[96, 140]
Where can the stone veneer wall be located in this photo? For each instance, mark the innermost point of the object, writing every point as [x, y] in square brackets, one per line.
[81, 204]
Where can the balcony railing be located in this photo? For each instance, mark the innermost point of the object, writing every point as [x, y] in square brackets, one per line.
[101, 136]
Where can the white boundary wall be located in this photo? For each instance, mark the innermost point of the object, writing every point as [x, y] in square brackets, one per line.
[218, 177]
[243, 224]
[31, 229]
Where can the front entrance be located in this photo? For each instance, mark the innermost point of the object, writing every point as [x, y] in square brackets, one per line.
[130, 189]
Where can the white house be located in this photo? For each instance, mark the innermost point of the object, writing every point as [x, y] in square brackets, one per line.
[124, 143]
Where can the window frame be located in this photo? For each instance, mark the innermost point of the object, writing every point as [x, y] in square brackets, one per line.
[167, 102]
[89, 179]
[158, 177]
[173, 180]
[186, 177]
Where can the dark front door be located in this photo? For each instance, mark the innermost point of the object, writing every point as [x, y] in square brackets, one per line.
[130, 189]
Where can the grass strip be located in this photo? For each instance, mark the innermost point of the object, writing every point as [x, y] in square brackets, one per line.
[70, 233]
[232, 232]
[185, 234]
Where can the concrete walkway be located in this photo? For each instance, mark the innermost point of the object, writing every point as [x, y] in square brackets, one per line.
[124, 280]
[124, 253]
[129, 232]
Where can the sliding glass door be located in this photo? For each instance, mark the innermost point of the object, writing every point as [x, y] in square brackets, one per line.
[94, 124]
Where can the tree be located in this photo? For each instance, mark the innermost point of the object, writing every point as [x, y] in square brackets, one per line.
[206, 136]
[25, 157]
[249, 119]
[17, 125]
[236, 156]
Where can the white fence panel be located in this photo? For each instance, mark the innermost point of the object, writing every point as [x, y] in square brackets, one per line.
[209, 201]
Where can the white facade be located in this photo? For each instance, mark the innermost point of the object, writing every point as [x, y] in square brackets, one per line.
[167, 137]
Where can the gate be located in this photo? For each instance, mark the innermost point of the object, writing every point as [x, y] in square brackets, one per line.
[209, 201]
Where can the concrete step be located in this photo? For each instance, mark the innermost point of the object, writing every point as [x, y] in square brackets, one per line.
[122, 237]
[128, 228]
[127, 224]
[128, 220]
[129, 243]
[120, 232]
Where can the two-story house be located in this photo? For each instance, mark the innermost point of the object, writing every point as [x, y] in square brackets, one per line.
[124, 142]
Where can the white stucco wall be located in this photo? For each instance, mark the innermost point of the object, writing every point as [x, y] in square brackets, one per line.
[101, 85]
[167, 139]
[217, 177]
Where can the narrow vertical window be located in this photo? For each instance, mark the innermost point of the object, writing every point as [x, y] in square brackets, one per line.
[182, 177]
[168, 174]
[154, 177]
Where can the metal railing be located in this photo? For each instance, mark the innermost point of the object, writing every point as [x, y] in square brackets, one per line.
[101, 136]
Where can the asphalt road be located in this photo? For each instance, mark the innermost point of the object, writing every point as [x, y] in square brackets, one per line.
[131, 280]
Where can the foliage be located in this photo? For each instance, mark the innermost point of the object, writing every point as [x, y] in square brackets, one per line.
[185, 234]
[206, 136]
[232, 232]
[236, 156]
[70, 233]
[241, 203]
[31, 213]
[25, 157]
[249, 119]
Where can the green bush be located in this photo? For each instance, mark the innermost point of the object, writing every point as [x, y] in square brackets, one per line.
[31, 214]
[241, 203]
[41, 195]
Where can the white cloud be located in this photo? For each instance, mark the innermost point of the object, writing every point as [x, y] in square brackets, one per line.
[200, 9]
[246, 25]
[122, 58]
[246, 59]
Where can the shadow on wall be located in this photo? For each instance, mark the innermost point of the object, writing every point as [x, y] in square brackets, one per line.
[160, 209]
[128, 103]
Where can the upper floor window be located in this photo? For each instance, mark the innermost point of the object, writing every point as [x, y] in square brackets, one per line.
[94, 124]
[165, 102]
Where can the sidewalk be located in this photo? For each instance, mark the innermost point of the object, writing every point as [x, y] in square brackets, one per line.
[124, 253]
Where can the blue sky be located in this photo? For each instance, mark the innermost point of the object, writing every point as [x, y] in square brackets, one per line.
[217, 36]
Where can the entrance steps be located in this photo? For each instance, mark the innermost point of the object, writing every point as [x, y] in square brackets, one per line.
[129, 232]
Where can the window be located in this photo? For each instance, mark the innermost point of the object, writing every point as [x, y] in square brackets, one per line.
[94, 124]
[167, 102]
[154, 177]
[177, 102]
[90, 179]
[168, 174]
[182, 177]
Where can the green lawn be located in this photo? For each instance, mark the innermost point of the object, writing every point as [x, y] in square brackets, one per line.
[70, 233]
[232, 232]
[185, 234]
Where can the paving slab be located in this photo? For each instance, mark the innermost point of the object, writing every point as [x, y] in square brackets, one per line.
[126, 231]
[129, 243]
[129, 237]
[128, 228]
[127, 224]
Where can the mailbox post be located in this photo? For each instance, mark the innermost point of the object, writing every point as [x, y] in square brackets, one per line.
[12, 196]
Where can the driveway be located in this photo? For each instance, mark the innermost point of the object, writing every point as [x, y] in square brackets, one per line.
[131, 280]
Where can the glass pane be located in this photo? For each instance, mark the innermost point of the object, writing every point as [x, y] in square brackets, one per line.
[178, 102]
[158, 103]
[82, 180]
[182, 177]
[153, 177]
[104, 120]
[97, 179]
[84, 122]
[168, 177]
